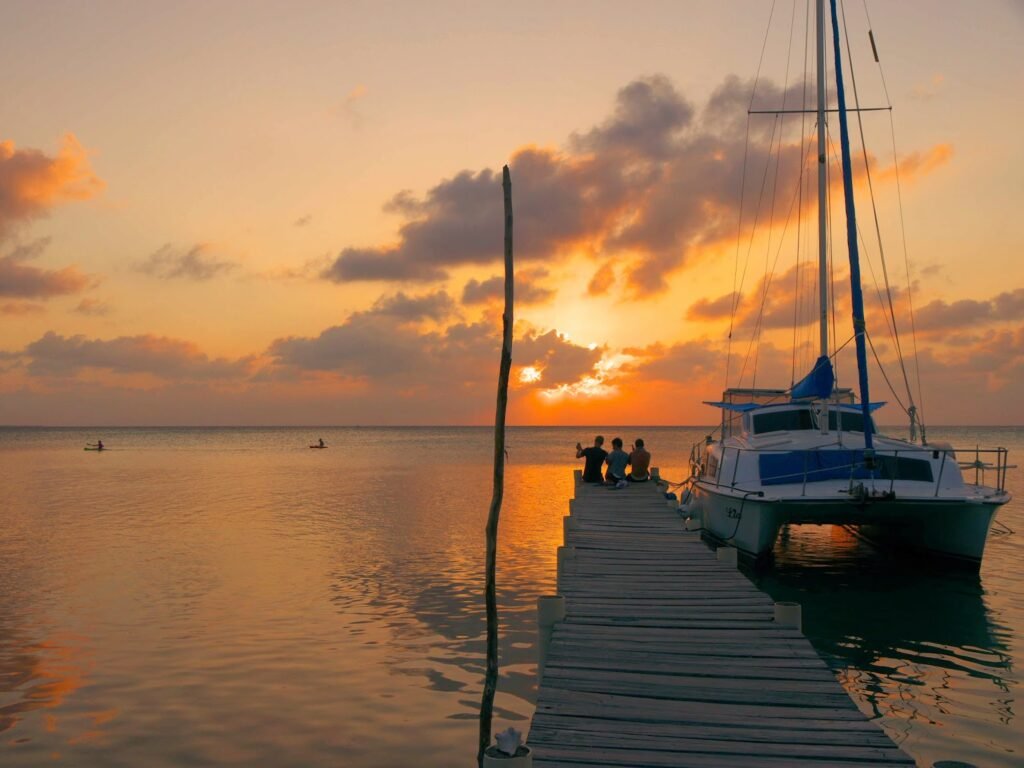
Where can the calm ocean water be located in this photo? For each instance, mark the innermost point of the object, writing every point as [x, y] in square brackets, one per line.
[213, 597]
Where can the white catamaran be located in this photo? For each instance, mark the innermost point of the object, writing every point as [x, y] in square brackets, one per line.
[811, 453]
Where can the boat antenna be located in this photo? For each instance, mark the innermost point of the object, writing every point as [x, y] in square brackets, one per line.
[857, 297]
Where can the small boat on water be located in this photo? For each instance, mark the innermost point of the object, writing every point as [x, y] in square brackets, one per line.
[811, 453]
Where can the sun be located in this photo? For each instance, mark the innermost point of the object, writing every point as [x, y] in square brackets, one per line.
[529, 374]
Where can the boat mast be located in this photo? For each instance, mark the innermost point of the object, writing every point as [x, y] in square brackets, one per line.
[856, 296]
[822, 185]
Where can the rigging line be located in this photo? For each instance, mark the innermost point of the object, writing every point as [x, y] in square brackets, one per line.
[764, 47]
[768, 246]
[874, 210]
[903, 230]
[831, 263]
[874, 48]
[753, 231]
[775, 178]
[906, 263]
[885, 376]
[798, 295]
[770, 273]
[736, 262]
[743, 189]
[871, 266]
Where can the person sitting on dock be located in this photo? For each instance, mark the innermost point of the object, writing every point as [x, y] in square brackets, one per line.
[322, 443]
[640, 460]
[595, 456]
[617, 461]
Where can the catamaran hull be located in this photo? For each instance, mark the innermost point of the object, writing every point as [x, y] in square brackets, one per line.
[952, 527]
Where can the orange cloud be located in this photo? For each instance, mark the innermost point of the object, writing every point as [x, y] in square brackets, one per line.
[648, 186]
[918, 163]
[158, 356]
[31, 182]
[20, 308]
[21, 280]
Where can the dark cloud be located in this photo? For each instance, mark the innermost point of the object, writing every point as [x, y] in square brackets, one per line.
[32, 183]
[776, 301]
[648, 117]
[678, 362]
[651, 187]
[433, 306]
[940, 315]
[302, 220]
[365, 345]
[194, 263]
[480, 291]
[463, 357]
[388, 264]
[559, 360]
[21, 280]
[527, 291]
[713, 309]
[171, 359]
[648, 185]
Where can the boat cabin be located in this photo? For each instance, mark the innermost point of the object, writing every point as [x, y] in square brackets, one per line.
[761, 411]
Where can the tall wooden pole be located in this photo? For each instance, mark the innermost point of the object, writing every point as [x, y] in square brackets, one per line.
[491, 677]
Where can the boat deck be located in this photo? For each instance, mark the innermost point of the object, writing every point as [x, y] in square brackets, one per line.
[669, 657]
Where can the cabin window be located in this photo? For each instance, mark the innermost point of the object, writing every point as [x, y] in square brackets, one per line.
[845, 421]
[901, 468]
[778, 421]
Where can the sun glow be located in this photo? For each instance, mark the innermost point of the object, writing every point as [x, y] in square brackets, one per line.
[529, 374]
[596, 384]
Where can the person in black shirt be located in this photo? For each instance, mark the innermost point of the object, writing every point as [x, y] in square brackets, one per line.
[595, 457]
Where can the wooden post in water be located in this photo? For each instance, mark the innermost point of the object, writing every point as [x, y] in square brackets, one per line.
[491, 676]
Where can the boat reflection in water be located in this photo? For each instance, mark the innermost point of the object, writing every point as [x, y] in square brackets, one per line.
[914, 642]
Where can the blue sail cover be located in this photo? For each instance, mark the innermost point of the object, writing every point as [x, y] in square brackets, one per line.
[818, 383]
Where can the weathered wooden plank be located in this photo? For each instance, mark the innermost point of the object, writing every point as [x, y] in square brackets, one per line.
[548, 756]
[668, 657]
[751, 733]
[731, 743]
[651, 663]
[612, 706]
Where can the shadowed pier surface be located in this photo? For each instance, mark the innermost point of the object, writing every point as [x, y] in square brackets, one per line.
[668, 657]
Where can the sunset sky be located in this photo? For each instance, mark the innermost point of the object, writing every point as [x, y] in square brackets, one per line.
[290, 213]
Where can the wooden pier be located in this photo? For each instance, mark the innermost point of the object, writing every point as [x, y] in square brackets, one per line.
[669, 656]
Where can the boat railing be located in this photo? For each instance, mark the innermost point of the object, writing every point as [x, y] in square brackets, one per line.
[885, 466]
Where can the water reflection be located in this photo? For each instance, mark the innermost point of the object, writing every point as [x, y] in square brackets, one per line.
[423, 591]
[915, 643]
[37, 678]
[214, 597]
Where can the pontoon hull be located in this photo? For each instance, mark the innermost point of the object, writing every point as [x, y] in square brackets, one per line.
[949, 527]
